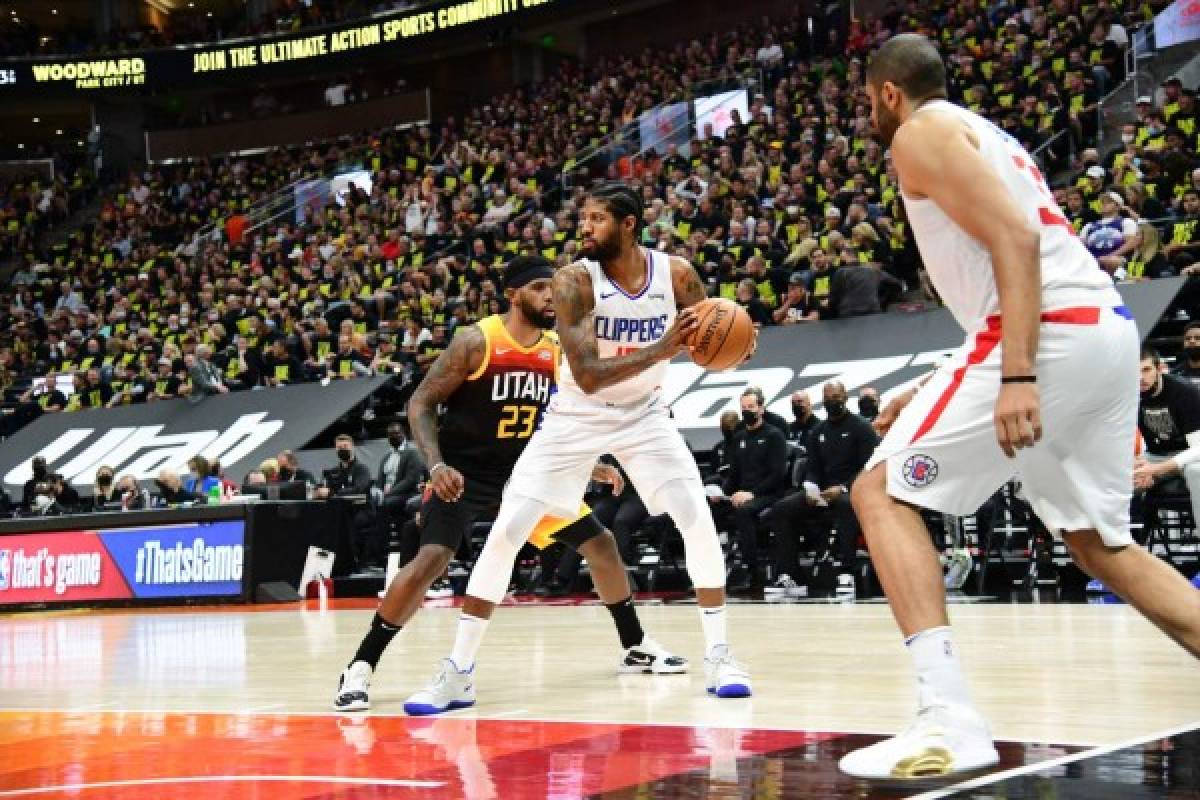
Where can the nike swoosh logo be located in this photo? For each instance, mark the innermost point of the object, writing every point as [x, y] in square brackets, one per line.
[604, 296]
[639, 659]
[500, 352]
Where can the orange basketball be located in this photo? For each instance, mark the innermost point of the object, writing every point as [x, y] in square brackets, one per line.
[725, 335]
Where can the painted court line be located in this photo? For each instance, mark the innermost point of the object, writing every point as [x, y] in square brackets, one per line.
[1029, 769]
[78, 787]
[500, 716]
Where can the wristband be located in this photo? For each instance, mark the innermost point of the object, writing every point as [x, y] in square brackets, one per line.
[1018, 379]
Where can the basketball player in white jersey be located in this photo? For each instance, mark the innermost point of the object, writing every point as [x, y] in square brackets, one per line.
[623, 313]
[1046, 384]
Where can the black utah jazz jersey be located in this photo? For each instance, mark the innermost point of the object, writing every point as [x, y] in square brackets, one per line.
[490, 417]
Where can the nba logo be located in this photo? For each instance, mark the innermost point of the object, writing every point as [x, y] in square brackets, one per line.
[3, 569]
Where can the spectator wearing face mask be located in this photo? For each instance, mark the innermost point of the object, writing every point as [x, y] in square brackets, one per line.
[1189, 360]
[40, 474]
[868, 403]
[289, 469]
[838, 448]
[803, 418]
[755, 480]
[65, 495]
[769, 417]
[104, 492]
[349, 476]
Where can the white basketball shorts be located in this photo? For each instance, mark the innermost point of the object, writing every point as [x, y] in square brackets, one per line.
[557, 463]
[942, 452]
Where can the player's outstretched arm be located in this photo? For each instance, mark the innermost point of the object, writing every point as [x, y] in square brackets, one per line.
[575, 307]
[462, 357]
[936, 157]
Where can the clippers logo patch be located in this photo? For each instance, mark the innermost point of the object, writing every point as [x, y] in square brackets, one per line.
[920, 471]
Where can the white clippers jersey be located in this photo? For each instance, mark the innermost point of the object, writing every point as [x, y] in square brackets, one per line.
[625, 323]
[961, 268]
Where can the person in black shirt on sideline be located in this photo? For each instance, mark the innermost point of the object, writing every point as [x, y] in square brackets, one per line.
[756, 479]
[838, 448]
[1169, 421]
[769, 417]
[722, 453]
[868, 403]
[803, 418]
[350, 476]
[1189, 359]
[41, 473]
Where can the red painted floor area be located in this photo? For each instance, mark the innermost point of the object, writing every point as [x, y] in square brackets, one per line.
[117, 753]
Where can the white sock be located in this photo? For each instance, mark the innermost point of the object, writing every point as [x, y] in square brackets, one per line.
[939, 675]
[467, 639]
[712, 620]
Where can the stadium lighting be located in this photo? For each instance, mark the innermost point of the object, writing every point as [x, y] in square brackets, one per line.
[37, 119]
[58, 132]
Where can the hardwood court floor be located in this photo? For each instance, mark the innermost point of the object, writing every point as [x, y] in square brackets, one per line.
[235, 703]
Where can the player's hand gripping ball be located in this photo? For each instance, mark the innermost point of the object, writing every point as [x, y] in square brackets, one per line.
[724, 337]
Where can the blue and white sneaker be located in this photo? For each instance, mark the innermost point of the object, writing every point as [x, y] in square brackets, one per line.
[725, 677]
[451, 689]
[958, 569]
[1094, 586]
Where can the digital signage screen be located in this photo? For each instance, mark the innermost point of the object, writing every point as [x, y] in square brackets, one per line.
[153, 562]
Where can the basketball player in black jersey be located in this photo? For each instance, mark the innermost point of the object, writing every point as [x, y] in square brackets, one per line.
[494, 381]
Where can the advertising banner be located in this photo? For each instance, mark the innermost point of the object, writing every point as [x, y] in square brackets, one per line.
[319, 48]
[886, 351]
[239, 429]
[665, 125]
[199, 559]
[717, 111]
[1177, 23]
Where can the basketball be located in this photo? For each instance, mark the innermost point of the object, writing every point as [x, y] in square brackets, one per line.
[725, 335]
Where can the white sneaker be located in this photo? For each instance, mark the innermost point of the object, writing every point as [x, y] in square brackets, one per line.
[650, 657]
[785, 586]
[724, 676]
[352, 688]
[439, 590]
[941, 741]
[958, 569]
[450, 689]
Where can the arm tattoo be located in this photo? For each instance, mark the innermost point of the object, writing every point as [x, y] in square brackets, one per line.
[575, 308]
[689, 289]
[460, 359]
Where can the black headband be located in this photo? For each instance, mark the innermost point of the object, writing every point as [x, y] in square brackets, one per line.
[526, 269]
